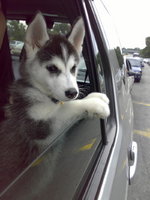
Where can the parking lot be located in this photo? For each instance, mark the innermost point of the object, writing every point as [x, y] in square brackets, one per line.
[140, 187]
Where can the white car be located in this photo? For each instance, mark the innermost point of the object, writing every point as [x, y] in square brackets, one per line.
[13, 43]
[17, 49]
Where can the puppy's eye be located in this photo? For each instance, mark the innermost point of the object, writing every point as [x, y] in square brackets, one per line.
[73, 69]
[53, 69]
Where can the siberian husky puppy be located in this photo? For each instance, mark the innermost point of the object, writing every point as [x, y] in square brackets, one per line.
[44, 100]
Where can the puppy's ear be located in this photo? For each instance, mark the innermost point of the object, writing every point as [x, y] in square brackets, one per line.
[77, 35]
[36, 35]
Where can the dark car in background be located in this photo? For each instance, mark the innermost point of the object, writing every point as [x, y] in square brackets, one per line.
[98, 157]
[134, 68]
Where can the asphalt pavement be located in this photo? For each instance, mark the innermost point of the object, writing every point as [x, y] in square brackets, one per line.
[140, 187]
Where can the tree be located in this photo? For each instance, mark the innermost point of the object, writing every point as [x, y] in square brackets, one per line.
[60, 28]
[147, 41]
[16, 30]
[145, 53]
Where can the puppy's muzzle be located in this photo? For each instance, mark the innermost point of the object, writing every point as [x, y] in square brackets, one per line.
[71, 93]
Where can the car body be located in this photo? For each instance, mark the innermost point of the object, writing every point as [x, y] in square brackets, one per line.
[98, 158]
[17, 49]
[134, 68]
[146, 60]
[136, 55]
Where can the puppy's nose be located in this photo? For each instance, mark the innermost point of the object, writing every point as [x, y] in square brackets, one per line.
[71, 93]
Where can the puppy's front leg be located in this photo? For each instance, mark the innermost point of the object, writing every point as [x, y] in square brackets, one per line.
[94, 105]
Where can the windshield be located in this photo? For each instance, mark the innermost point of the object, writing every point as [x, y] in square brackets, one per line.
[135, 63]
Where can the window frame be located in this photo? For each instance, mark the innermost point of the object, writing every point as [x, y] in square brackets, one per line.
[93, 185]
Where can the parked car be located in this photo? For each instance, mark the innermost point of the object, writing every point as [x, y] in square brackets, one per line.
[98, 157]
[14, 43]
[134, 68]
[136, 55]
[17, 49]
[147, 61]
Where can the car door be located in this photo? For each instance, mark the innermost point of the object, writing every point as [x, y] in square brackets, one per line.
[116, 180]
[93, 157]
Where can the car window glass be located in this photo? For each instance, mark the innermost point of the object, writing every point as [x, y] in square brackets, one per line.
[16, 33]
[109, 30]
[99, 64]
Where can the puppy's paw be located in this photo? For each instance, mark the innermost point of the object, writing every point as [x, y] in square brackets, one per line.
[96, 107]
[101, 96]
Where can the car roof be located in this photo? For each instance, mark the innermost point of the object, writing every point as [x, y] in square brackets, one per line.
[133, 58]
[25, 9]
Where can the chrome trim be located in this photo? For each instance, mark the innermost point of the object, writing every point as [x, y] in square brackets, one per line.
[132, 168]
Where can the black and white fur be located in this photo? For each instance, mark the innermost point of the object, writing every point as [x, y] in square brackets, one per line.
[43, 100]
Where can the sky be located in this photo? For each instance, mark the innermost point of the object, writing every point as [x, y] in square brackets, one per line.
[132, 20]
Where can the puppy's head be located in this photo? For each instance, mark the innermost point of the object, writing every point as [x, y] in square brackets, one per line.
[51, 61]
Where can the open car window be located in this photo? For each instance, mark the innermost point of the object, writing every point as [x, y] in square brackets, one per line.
[67, 158]
[16, 33]
[61, 170]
